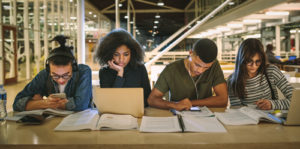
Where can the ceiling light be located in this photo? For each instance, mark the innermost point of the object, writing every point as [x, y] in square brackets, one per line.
[235, 25]
[120, 4]
[126, 17]
[131, 22]
[73, 18]
[160, 3]
[231, 3]
[278, 13]
[251, 21]
[90, 12]
[223, 29]
[154, 26]
[71, 1]
[157, 16]
[156, 22]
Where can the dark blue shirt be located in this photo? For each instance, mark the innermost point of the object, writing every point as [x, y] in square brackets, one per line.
[78, 89]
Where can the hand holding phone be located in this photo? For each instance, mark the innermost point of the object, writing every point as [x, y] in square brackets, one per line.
[59, 95]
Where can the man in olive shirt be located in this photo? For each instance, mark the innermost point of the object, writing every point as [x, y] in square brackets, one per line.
[191, 80]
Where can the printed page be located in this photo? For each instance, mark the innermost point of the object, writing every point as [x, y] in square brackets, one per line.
[235, 117]
[48, 111]
[84, 120]
[204, 112]
[260, 115]
[117, 122]
[202, 124]
[160, 124]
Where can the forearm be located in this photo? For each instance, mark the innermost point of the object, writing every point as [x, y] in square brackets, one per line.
[213, 101]
[158, 102]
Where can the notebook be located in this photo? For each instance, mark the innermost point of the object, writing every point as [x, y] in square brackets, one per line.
[293, 117]
[119, 100]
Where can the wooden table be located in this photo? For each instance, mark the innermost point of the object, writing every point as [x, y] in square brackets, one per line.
[262, 136]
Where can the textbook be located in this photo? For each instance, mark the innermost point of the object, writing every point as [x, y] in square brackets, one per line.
[181, 124]
[91, 120]
[55, 112]
[245, 116]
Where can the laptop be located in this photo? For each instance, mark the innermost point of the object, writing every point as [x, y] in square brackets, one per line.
[293, 116]
[119, 100]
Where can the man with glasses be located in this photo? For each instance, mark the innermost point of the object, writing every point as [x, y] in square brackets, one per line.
[62, 75]
[190, 81]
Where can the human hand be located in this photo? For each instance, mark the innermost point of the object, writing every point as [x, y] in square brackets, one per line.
[116, 67]
[37, 97]
[184, 104]
[60, 102]
[264, 104]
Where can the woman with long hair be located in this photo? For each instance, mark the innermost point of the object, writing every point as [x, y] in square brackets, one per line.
[122, 61]
[254, 81]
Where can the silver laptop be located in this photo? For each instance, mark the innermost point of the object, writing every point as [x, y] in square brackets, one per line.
[293, 116]
[119, 100]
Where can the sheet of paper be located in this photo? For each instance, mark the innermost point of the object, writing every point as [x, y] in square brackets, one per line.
[117, 122]
[48, 111]
[234, 117]
[84, 120]
[160, 124]
[203, 124]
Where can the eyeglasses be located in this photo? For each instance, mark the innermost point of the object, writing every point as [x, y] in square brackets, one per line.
[56, 77]
[257, 63]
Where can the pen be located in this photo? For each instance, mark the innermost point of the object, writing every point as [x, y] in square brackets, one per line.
[180, 120]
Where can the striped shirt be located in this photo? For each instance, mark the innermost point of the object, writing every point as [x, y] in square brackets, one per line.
[257, 88]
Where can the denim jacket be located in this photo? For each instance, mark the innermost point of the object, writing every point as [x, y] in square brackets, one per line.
[78, 89]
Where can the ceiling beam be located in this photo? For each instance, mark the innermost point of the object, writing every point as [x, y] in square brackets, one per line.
[147, 11]
[154, 4]
[111, 6]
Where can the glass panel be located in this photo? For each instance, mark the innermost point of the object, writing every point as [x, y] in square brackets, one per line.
[9, 52]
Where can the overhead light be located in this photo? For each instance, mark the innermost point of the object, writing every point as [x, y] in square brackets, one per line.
[73, 18]
[71, 1]
[90, 12]
[251, 21]
[160, 3]
[278, 13]
[120, 4]
[157, 16]
[154, 26]
[131, 22]
[294, 31]
[231, 3]
[156, 22]
[95, 16]
[253, 36]
[126, 17]
[235, 25]
[223, 29]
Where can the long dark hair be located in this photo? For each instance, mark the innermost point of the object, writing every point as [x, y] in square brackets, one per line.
[247, 50]
[107, 46]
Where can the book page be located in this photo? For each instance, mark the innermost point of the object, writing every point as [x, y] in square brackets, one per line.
[202, 124]
[235, 117]
[57, 112]
[260, 115]
[84, 120]
[160, 124]
[117, 122]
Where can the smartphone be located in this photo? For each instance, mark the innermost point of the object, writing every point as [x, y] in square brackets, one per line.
[59, 95]
[195, 109]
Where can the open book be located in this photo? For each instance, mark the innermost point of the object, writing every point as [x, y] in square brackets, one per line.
[245, 116]
[56, 112]
[41, 114]
[91, 120]
[181, 124]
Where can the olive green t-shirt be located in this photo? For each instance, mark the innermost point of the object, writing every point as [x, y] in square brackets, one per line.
[176, 79]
